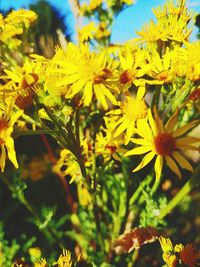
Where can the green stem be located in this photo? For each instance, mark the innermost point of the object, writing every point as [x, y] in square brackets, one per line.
[36, 132]
[137, 193]
[155, 186]
[183, 192]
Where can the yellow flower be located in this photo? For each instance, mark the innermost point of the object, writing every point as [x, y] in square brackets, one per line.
[64, 259]
[67, 165]
[87, 32]
[193, 61]
[21, 16]
[132, 110]
[102, 31]
[133, 68]
[41, 263]
[161, 68]
[93, 4]
[106, 145]
[171, 24]
[169, 255]
[23, 82]
[87, 73]
[13, 24]
[163, 141]
[7, 121]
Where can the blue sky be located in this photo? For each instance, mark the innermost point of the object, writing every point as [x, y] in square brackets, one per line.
[126, 24]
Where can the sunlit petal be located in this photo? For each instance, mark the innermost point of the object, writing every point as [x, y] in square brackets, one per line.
[185, 128]
[172, 122]
[158, 166]
[182, 161]
[145, 161]
[173, 166]
[138, 151]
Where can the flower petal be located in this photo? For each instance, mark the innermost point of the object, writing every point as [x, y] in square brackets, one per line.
[152, 123]
[129, 132]
[182, 161]
[144, 129]
[159, 122]
[100, 97]
[145, 161]
[11, 151]
[185, 128]
[87, 93]
[172, 122]
[158, 166]
[187, 140]
[173, 166]
[122, 127]
[140, 141]
[2, 158]
[141, 92]
[138, 151]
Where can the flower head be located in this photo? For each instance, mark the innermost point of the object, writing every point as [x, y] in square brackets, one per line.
[131, 110]
[169, 252]
[23, 82]
[91, 75]
[163, 141]
[41, 263]
[64, 259]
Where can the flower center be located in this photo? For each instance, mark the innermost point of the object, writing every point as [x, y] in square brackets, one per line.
[127, 76]
[164, 144]
[111, 148]
[163, 76]
[3, 124]
[135, 109]
[101, 78]
[195, 95]
[1, 141]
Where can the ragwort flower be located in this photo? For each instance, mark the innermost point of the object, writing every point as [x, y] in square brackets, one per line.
[64, 259]
[132, 109]
[169, 252]
[163, 141]
[23, 82]
[84, 72]
[133, 68]
[41, 263]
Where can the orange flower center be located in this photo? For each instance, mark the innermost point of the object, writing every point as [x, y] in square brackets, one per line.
[101, 78]
[195, 95]
[1, 141]
[126, 77]
[164, 76]
[111, 148]
[3, 124]
[164, 144]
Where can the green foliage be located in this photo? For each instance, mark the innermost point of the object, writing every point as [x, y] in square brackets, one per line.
[10, 250]
[153, 205]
